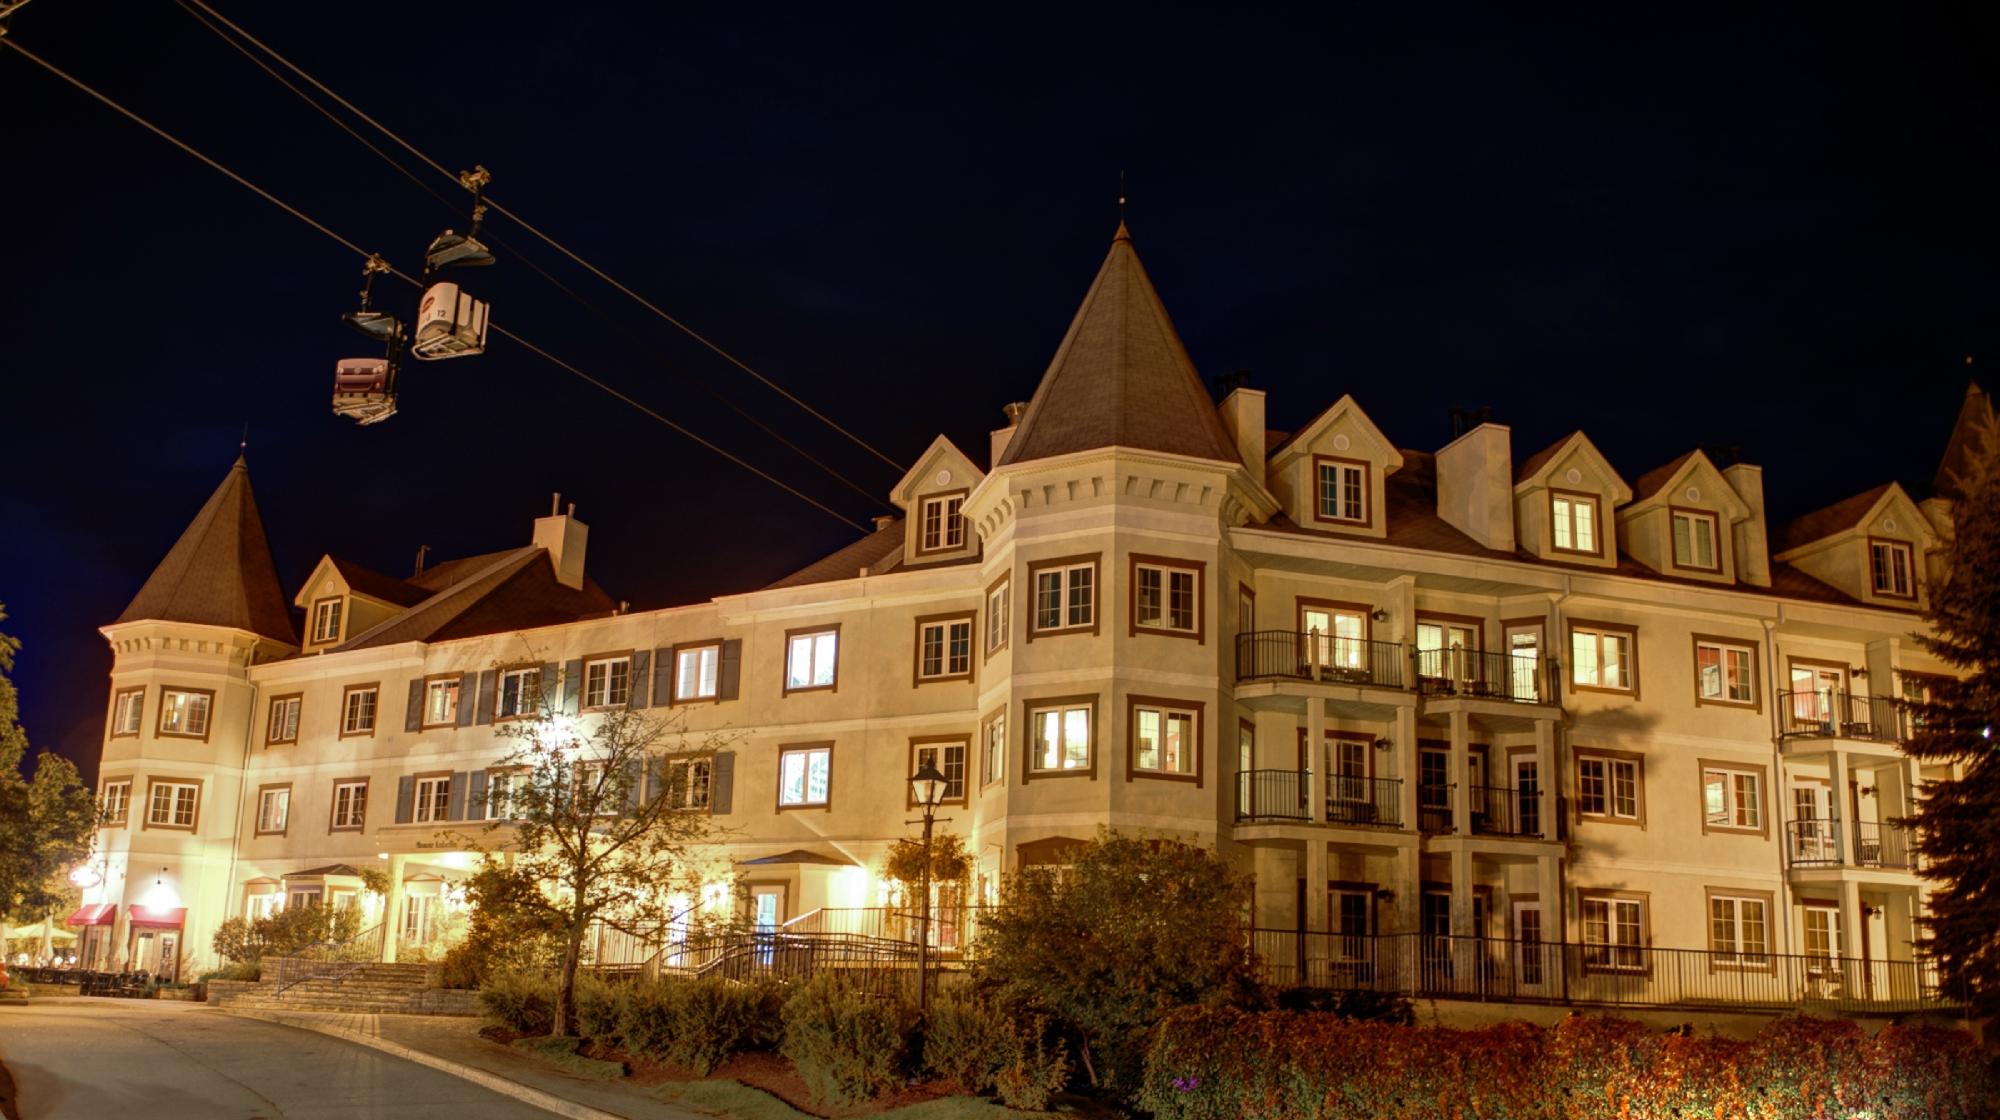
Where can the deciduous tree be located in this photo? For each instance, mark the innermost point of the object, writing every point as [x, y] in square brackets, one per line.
[47, 823]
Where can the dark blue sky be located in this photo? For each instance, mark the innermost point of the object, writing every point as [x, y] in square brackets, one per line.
[1776, 231]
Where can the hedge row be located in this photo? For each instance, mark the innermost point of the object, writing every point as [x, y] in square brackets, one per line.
[1230, 1065]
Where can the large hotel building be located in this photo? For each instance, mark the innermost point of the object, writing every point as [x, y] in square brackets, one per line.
[1468, 699]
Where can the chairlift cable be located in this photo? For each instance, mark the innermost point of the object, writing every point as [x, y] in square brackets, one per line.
[11, 42]
[552, 242]
[516, 255]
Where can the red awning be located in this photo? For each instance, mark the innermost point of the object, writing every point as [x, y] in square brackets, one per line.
[93, 914]
[169, 917]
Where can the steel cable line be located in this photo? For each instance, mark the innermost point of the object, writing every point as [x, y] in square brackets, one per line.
[521, 258]
[552, 242]
[10, 42]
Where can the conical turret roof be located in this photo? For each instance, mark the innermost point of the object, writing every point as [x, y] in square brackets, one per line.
[1121, 377]
[220, 571]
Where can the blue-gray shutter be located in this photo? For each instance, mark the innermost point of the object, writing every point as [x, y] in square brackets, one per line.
[406, 797]
[634, 794]
[721, 782]
[572, 685]
[548, 685]
[489, 695]
[656, 778]
[663, 676]
[475, 798]
[729, 670]
[468, 691]
[413, 716]
[456, 811]
[641, 677]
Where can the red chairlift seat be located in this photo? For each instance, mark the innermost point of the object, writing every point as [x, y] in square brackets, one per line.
[364, 389]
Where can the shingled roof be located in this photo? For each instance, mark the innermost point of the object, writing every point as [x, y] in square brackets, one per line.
[1823, 523]
[1121, 377]
[220, 571]
[1974, 410]
[514, 590]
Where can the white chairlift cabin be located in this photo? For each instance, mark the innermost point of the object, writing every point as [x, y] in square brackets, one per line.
[450, 324]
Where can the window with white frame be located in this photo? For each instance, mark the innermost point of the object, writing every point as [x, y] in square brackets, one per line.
[1739, 930]
[1166, 598]
[1573, 522]
[274, 808]
[697, 673]
[127, 710]
[503, 792]
[326, 621]
[433, 800]
[1062, 737]
[607, 682]
[944, 648]
[949, 758]
[1725, 673]
[1608, 788]
[993, 749]
[520, 693]
[114, 804]
[1342, 490]
[357, 711]
[812, 660]
[1065, 597]
[998, 613]
[284, 725]
[805, 776]
[1164, 739]
[1890, 565]
[172, 804]
[1614, 933]
[942, 528]
[1694, 544]
[350, 804]
[1732, 798]
[686, 783]
[184, 713]
[1601, 657]
[441, 702]
[1246, 746]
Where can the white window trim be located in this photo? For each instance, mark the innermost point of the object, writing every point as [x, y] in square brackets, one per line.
[1907, 589]
[1165, 621]
[1190, 748]
[1089, 762]
[1724, 649]
[1563, 509]
[706, 661]
[265, 826]
[351, 709]
[529, 698]
[435, 808]
[602, 695]
[1620, 956]
[1738, 954]
[333, 609]
[1065, 577]
[1600, 635]
[993, 747]
[500, 799]
[285, 710]
[173, 800]
[938, 751]
[998, 609]
[950, 525]
[128, 713]
[195, 703]
[811, 638]
[354, 819]
[1344, 512]
[123, 800]
[682, 791]
[805, 799]
[1694, 517]
[447, 686]
[1611, 765]
[943, 628]
[1732, 804]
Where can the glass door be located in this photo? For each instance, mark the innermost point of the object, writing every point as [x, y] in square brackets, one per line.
[1530, 970]
[1524, 662]
[1527, 795]
[1813, 835]
[1816, 689]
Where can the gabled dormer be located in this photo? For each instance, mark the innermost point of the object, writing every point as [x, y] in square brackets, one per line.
[1872, 546]
[1564, 499]
[1330, 475]
[932, 498]
[1683, 520]
[342, 599]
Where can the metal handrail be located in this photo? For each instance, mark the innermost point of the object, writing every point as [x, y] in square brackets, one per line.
[1506, 811]
[1313, 655]
[1514, 677]
[1813, 842]
[1352, 800]
[1832, 713]
[1272, 795]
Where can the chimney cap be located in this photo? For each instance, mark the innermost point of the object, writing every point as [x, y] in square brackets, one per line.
[1014, 409]
[884, 520]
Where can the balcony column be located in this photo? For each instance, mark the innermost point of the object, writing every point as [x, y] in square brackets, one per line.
[1845, 834]
[1461, 892]
[1317, 878]
[1850, 923]
[1408, 886]
[1461, 774]
[392, 909]
[1549, 781]
[1315, 760]
[1407, 756]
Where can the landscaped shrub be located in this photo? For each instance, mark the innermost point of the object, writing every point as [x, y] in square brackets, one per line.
[521, 1001]
[696, 1023]
[1229, 1065]
[1038, 1071]
[600, 1006]
[1350, 1003]
[239, 970]
[968, 1040]
[847, 1045]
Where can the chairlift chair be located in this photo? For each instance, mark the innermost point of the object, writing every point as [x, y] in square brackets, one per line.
[450, 324]
[364, 389]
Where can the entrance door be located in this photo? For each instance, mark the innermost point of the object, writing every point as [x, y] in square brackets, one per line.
[155, 951]
[1337, 639]
[1445, 651]
[1348, 799]
[1529, 969]
[1524, 655]
[1527, 795]
[1815, 691]
[1434, 919]
[767, 908]
[1434, 789]
[1812, 828]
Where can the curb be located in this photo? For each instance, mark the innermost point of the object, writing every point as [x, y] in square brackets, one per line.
[505, 1086]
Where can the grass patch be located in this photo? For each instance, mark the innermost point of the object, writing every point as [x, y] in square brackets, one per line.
[741, 1102]
[562, 1052]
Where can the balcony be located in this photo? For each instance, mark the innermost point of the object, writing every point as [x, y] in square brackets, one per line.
[1467, 673]
[1506, 811]
[1832, 714]
[1824, 844]
[1478, 968]
[1284, 795]
[1313, 656]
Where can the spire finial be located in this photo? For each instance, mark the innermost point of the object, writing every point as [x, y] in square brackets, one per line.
[1121, 196]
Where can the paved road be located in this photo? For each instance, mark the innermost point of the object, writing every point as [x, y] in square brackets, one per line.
[76, 1059]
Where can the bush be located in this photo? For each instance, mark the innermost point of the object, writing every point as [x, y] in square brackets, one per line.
[846, 1045]
[524, 1002]
[1039, 1069]
[239, 970]
[968, 1040]
[697, 1023]
[600, 1005]
[1350, 1003]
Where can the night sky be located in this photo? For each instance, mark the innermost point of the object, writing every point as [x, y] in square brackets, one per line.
[1757, 231]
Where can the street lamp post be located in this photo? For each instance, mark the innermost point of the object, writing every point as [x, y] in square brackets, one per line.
[928, 787]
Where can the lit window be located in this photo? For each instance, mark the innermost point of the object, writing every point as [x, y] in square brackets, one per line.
[805, 776]
[1337, 637]
[357, 711]
[1694, 540]
[114, 805]
[1890, 565]
[810, 660]
[433, 800]
[1607, 788]
[1165, 598]
[944, 649]
[1448, 650]
[686, 783]
[172, 804]
[520, 693]
[1065, 597]
[441, 702]
[350, 804]
[503, 794]
[1342, 491]
[942, 527]
[949, 758]
[274, 806]
[184, 713]
[1573, 523]
[1062, 737]
[326, 621]
[1601, 657]
[1725, 674]
[1614, 933]
[1164, 740]
[126, 711]
[1732, 798]
[696, 673]
[994, 749]
[998, 602]
[284, 726]
[1739, 930]
[607, 682]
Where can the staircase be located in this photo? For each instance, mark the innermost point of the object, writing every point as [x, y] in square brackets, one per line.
[364, 988]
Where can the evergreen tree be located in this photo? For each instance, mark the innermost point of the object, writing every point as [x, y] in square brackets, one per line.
[1958, 817]
[47, 824]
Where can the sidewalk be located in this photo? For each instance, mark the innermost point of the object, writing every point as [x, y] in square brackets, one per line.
[452, 1045]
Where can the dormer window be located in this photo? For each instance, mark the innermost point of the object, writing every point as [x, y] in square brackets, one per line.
[1573, 522]
[326, 621]
[940, 527]
[1342, 490]
[1694, 540]
[1890, 564]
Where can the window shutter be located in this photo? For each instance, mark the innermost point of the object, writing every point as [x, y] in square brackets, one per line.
[489, 696]
[413, 717]
[729, 669]
[572, 685]
[456, 812]
[721, 782]
[475, 798]
[548, 685]
[663, 676]
[468, 690]
[656, 778]
[406, 797]
[642, 661]
[634, 795]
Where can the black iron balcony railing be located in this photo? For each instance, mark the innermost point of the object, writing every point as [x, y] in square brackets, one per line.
[1813, 842]
[1285, 795]
[1826, 843]
[1272, 795]
[1312, 655]
[1479, 968]
[1882, 845]
[1506, 810]
[1433, 807]
[1830, 713]
[1486, 676]
[1376, 801]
